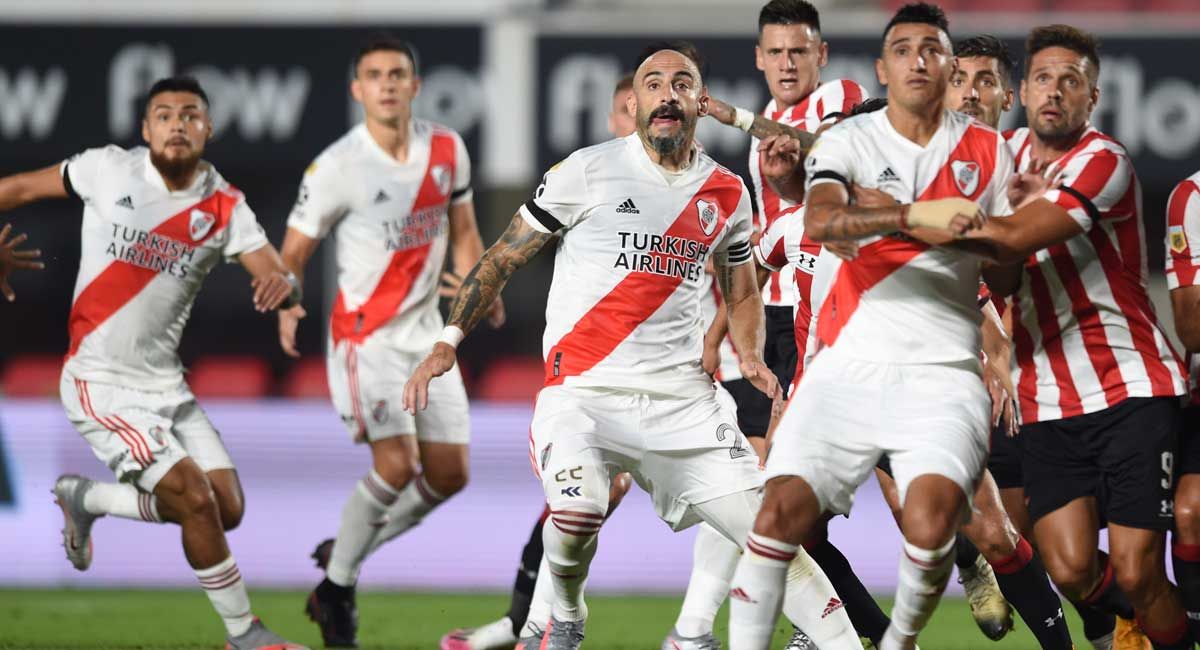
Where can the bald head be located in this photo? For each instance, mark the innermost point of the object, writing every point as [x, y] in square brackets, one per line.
[669, 98]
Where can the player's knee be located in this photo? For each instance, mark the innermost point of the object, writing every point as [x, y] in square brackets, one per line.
[1074, 574]
[1136, 571]
[395, 470]
[447, 481]
[788, 511]
[198, 502]
[232, 511]
[1187, 515]
[990, 534]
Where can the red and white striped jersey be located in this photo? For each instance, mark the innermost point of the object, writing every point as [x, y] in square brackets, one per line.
[786, 249]
[712, 301]
[900, 300]
[391, 226]
[1085, 333]
[828, 100]
[624, 309]
[1183, 258]
[145, 251]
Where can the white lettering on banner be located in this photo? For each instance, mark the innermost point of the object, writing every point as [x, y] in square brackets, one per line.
[579, 86]
[262, 103]
[30, 102]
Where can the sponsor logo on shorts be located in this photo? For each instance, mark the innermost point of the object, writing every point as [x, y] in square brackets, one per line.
[1166, 508]
[380, 411]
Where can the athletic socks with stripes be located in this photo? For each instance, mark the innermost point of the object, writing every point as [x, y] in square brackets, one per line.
[868, 619]
[121, 500]
[923, 577]
[757, 592]
[714, 559]
[364, 514]
[225, 589]
[416, 500]
[1024, 583]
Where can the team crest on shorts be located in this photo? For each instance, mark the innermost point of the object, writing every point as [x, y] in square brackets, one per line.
[156, 432]
[380, 412]
[1178, 239]
[200, 223]
[707, 211]
[441, 178]
[546, 455]
[966, 176]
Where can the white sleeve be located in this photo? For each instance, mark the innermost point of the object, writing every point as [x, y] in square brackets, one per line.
[735, 246]
[831, 158]
[997, 193]
[461, 193]
[561, 199]
[321, 201]
[81, 172]
[245, 234]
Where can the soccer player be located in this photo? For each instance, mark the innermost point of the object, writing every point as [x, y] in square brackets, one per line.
[899, 374]
[12, 259]
[1183, 262]
[505, 631]
[625, 388]
[1096, 379]
[156, 220]
[396, 193]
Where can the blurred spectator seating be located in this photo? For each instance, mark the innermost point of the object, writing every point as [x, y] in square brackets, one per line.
[511, 379]
[237, 377]
[306, 379]
[31, 376]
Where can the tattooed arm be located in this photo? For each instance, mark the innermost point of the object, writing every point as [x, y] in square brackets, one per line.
[519, 243]
[830, 217]
[743, 304]
[761, 128]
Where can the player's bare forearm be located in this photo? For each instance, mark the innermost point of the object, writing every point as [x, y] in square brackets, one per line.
[1036, 225]
[298, 248]
[996, 343]
[762, 127]
[1185, 303]
[517, 245]
[743, 305]
[274, 285]
[20, 189]
[830, 217]
[466, 246]
[717, 329]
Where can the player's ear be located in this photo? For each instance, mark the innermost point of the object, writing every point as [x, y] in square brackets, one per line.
[702, 102]
[880, 71]
[631, 104]
[823, 55]
[758, 57]
[416, 86]
[146, 129]
[1008, 100]
[356, 90]
[1021, 93]
[1095, 98]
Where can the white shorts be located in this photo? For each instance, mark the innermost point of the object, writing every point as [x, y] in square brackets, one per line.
[366, 382]
[140, 434]
[682, 451]
[846, 413]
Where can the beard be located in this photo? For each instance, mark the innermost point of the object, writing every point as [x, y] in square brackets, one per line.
[1058, 136]
[178, 170]
[667, 145]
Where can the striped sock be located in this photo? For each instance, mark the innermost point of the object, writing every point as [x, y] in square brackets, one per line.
[757, 592]
[121, 500]
[362, 518]
[225, 589]
[415, 501]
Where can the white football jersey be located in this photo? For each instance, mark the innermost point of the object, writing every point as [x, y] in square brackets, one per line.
[391, 224]
[624, 305]
[830, 100]
[900, 300]
[145, 251]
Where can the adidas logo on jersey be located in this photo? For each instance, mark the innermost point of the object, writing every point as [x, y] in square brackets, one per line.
[832, 606]
[628, 208]
[382, 197]
[125, 202]
[887, 175]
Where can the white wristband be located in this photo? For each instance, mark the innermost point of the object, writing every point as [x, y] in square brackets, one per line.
[452, 335]
[743, 119]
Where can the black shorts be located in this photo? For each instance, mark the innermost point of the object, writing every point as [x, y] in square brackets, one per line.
[1004, 461]
[1189, 442]
[753, 407]
[1124, 456]
[780, 353]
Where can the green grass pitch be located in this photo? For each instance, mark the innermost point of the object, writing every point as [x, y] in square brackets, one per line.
[398, 621]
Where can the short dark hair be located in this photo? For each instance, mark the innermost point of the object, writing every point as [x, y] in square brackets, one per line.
[1065, 36]
[986, 45]
[922, 13]
[176, 85]
[624, 83]
[789, 12]
[685, 48]
[384, 42]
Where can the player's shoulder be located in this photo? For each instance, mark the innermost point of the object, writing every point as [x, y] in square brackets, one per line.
[1183, 191]
[587, 158]
[112, 154]
[351, 145]
[968, 124]
[836, 95]
[1094, 142]
[428, 128]
[721, 173]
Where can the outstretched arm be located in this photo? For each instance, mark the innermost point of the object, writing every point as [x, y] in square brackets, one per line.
[757, 125]
[466, 248]
[482, 286]
[12, 259]
[274, 286]
[298, 248]
[1031, 228]
[20, 189]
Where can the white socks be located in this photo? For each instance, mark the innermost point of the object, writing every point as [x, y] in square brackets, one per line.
[569, 537]
[714, 559]
[362, 518]
[121, 500]
[923, 577]
[543, 600]
[757, 593]
[415, 501]
[225, 589]
[811, 603]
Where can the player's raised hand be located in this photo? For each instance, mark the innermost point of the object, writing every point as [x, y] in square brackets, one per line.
[416, 391]
[289, 320]
[271, 290]
[1031, 184]
[956, 215]
[779, 156]
[12, 259]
